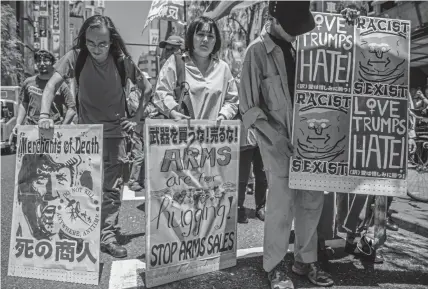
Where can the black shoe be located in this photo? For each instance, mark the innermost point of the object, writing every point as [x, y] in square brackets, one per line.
[250, 190]
[114, 249]
[391, 225]
[365, 253]
[260, 214]
[326, 253]
[242, 215]
[350, 248]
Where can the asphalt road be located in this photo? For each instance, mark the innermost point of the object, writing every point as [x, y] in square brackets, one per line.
[406, 253]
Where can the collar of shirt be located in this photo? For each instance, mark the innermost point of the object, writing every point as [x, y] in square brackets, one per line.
[268, 42]
[186, 56]
[213, 61]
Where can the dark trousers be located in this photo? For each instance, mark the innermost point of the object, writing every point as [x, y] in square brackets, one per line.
[137, 166]
[326, 224]
[115, 160]
[248, 156]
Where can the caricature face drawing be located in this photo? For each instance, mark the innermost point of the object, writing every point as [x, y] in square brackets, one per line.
[382, 58]
[41, 182]
[322, 134]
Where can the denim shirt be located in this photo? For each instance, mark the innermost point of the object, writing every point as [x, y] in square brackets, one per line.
[265, 102]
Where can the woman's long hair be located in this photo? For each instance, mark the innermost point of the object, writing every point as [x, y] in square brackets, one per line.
[117, 47]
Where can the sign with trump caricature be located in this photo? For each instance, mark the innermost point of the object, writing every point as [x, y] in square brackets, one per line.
[350, 106]
[57, 204]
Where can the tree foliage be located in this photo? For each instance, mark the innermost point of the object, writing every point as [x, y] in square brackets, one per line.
[12, 66]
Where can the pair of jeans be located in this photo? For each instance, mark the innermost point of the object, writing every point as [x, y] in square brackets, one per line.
[137, 166]
[248, 156]
[115, 160]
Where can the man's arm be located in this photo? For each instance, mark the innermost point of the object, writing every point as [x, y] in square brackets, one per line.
[249, 105]
[22, 112]
[70, 103]
[49, 93]
[24, 99]
[146, 91]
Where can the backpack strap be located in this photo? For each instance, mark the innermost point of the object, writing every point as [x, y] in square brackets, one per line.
[179, 89]
[120, 65]
[80, 62]
[121, 68]
[82, 55]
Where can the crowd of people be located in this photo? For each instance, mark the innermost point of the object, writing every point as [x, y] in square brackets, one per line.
[261, 97]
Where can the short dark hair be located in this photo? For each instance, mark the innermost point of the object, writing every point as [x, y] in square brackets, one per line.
[196, 26]
[117, 47]
[44, 53]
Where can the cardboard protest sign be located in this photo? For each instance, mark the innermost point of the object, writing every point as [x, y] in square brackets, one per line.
[191, 198]
[57, 204]
[350, 106]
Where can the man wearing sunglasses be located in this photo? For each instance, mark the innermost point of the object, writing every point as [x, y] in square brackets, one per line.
[31, 95]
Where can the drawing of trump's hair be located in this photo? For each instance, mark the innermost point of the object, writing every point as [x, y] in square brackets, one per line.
[34, 165]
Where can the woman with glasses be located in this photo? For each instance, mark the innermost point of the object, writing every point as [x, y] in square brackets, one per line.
[101, 66]
[210, 89]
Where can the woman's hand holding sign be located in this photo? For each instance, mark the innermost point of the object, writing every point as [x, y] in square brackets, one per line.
[177, 115]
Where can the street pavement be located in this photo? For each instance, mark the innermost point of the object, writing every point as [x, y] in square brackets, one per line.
[406, 254]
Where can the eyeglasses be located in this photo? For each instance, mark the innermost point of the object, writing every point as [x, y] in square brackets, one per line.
[101, 45]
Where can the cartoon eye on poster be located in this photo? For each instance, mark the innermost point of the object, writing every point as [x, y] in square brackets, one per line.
[350, 116]
[381, 53]
[322, 133]
[57, 204]
[191, 198]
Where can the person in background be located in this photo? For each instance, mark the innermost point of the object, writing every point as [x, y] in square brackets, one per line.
[105, 67]
[30, 97]
[266, 105]
[250, 158]
[325, 229]
[420, 101]
[170, 46]
[212, 92]
[136, 178]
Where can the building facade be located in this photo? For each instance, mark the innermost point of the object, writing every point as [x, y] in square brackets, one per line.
[50, 25]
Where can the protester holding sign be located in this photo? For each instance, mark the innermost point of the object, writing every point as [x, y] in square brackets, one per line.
[104, 63]
[250, 157]
[209, 90]
[267, 88]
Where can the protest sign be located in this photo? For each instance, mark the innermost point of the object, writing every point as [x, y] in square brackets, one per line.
[350, 114]
[191, 198]
[57, 204]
